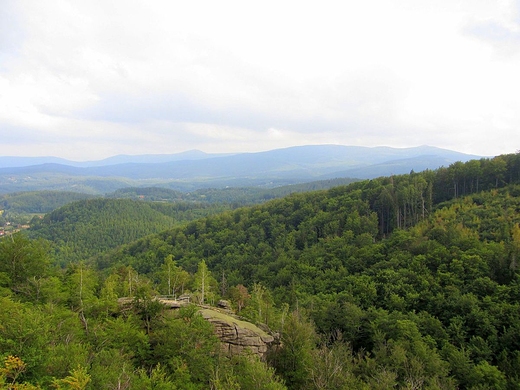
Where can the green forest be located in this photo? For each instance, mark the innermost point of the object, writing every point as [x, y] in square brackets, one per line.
[402, 282]
[19, 208]
[85, 228]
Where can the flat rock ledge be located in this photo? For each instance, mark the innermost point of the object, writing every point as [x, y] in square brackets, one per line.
[238, 336]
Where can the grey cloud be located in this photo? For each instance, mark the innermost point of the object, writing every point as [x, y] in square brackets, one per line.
[500, 35]
[494, 32]
[178, 108]
[140, 78]
[18, 135]
[11, 33]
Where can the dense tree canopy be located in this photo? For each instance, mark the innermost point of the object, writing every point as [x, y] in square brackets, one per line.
[408, 282]
[385, 263]
[85, 228]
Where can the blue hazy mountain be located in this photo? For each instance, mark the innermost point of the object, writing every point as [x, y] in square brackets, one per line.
[271, 168]
[12, 161]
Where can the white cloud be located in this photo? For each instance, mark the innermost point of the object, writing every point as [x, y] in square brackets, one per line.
[141, 77]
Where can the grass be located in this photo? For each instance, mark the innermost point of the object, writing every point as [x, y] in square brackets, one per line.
[232, 320]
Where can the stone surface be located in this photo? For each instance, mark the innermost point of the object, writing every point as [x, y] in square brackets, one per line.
[224, 304]
[238, 336]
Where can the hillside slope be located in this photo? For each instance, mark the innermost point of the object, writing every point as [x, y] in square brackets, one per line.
[418, 270]
[39, 201]
[409, 281]
[86, 228]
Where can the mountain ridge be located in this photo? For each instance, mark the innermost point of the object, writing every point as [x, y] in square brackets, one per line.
[269, 168]
[22, 161]
[194, 154]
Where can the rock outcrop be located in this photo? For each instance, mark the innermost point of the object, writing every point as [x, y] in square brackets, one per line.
[237, 336]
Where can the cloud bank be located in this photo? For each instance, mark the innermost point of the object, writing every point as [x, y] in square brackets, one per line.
[87, 80]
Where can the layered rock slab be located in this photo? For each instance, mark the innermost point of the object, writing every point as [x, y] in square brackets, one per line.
[238, 336]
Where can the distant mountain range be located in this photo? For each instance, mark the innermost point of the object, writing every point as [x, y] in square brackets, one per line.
[13, 162]
[196, 169]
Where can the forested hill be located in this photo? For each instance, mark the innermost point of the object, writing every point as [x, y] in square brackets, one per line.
[403, 282]
[371, 207]
[38, 201]
[418, 273]
[82, 229]
[234, 196]
[86, 228]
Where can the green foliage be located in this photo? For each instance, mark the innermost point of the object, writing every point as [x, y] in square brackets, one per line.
[246, 371]
[85, 228]
[77, 380]
[38, 201]
[376, 251]
[294, 359]
[235, 196]
[23, 264]
[260, 305]
[172, 279]
[240, 297]
[9, 373]
[204, 284]
[407, 282]
[191, 354]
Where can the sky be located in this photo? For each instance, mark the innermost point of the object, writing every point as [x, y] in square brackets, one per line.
[85, 80]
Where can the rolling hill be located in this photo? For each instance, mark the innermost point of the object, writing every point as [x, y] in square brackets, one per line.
[407, 281]
[89, 227]
[414, 275]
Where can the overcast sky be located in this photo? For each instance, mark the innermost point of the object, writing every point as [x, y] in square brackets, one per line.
[91, 79]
